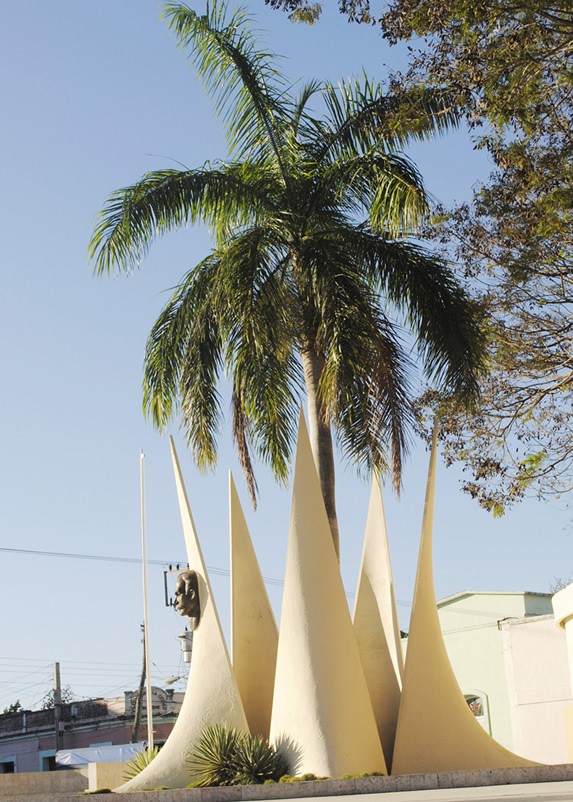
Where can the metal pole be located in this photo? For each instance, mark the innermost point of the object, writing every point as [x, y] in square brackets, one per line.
[139, 695]
[57, 704]
[145, 611]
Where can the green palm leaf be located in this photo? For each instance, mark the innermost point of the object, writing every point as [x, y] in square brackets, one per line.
[244, 80]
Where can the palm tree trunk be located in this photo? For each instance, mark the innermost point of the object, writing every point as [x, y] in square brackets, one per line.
[320, 438]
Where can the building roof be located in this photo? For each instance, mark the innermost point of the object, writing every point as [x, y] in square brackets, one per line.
[463, 593]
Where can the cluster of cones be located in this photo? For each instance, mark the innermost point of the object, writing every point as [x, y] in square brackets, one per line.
[330, 690]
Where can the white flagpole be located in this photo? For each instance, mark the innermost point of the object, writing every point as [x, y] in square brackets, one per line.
[145, 610]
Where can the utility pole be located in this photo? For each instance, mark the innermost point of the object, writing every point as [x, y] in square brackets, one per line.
[57, 705]
[139, 697]
[147, 662]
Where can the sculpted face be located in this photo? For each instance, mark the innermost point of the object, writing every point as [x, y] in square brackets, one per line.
[187, 595]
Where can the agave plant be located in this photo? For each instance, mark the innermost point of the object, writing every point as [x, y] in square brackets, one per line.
[214, 758]
[139, 762]
[258, 761]
[224, 756]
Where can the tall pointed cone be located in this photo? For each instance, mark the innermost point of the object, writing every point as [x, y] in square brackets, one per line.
[212, 695]
[322, 716]
[254, 634]
[376, 624]
[436, 729]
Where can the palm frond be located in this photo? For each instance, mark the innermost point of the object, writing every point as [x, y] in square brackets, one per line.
[386, 188]
[447, 323]
[299, 111]
[361, 117]
[247, 87]
[223, 198]
[183, 360]
[241, 438]
[364, 387]
[259, 335]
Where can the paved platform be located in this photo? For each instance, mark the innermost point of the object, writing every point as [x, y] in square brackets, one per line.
[536, 792]
[530, 792]
[531, 784]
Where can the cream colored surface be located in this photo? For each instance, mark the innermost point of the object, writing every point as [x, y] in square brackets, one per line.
[563, 609]
[376, 624]
[436, 729]
[254, 633]
[321, 704]
[569, 731]
[105, 775]
[538, 684]
[212, 695]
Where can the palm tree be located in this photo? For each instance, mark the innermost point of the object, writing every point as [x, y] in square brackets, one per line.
[312, 271]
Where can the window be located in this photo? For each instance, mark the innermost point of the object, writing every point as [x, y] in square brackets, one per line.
[478, 703]
[48, 760]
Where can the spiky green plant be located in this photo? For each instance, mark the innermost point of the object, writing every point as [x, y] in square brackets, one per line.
[139, 762]
[224, 756]
[214, 758]
[315, 266]
[258, 761]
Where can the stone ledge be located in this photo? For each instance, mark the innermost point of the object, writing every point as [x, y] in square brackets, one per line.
[358, 785]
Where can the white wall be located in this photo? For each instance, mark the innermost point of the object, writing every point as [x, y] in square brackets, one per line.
[474, 642]
[538, 686]
[508, 647]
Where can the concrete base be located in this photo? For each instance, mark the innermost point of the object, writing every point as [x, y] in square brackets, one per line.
[42, 784]
[569, 731]
[106, 775]
[531, 784]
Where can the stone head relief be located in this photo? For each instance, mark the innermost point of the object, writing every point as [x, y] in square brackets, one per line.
[187, 596]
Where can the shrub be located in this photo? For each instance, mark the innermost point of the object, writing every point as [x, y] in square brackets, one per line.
[139, 762]
[257, 761]
[224, 756]
[214, 758]
[300, 778]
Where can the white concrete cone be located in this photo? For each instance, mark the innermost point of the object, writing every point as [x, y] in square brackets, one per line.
[436, 729]
[254, 634]
[212, 695]
[376, 624]
[322, 717]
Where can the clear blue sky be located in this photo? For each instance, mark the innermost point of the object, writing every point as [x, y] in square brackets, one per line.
[93, 95]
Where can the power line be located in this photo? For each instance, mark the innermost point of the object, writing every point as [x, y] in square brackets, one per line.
[72, 555]
[137, 561]
[132, 560]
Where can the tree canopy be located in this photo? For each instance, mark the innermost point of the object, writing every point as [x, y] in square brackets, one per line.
[15, 707]
[510, 67]
[314, 268]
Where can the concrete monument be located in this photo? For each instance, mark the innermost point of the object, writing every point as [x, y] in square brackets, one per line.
[436, 729]
[321, 704]
[376, 624]
[212, 695]
[254, 634]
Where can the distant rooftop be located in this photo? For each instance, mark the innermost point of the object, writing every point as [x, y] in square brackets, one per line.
[462, 593]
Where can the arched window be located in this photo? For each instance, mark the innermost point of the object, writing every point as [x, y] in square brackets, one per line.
[477, 702]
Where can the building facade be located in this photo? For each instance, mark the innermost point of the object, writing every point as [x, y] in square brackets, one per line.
[510, 660]
[29, 740]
